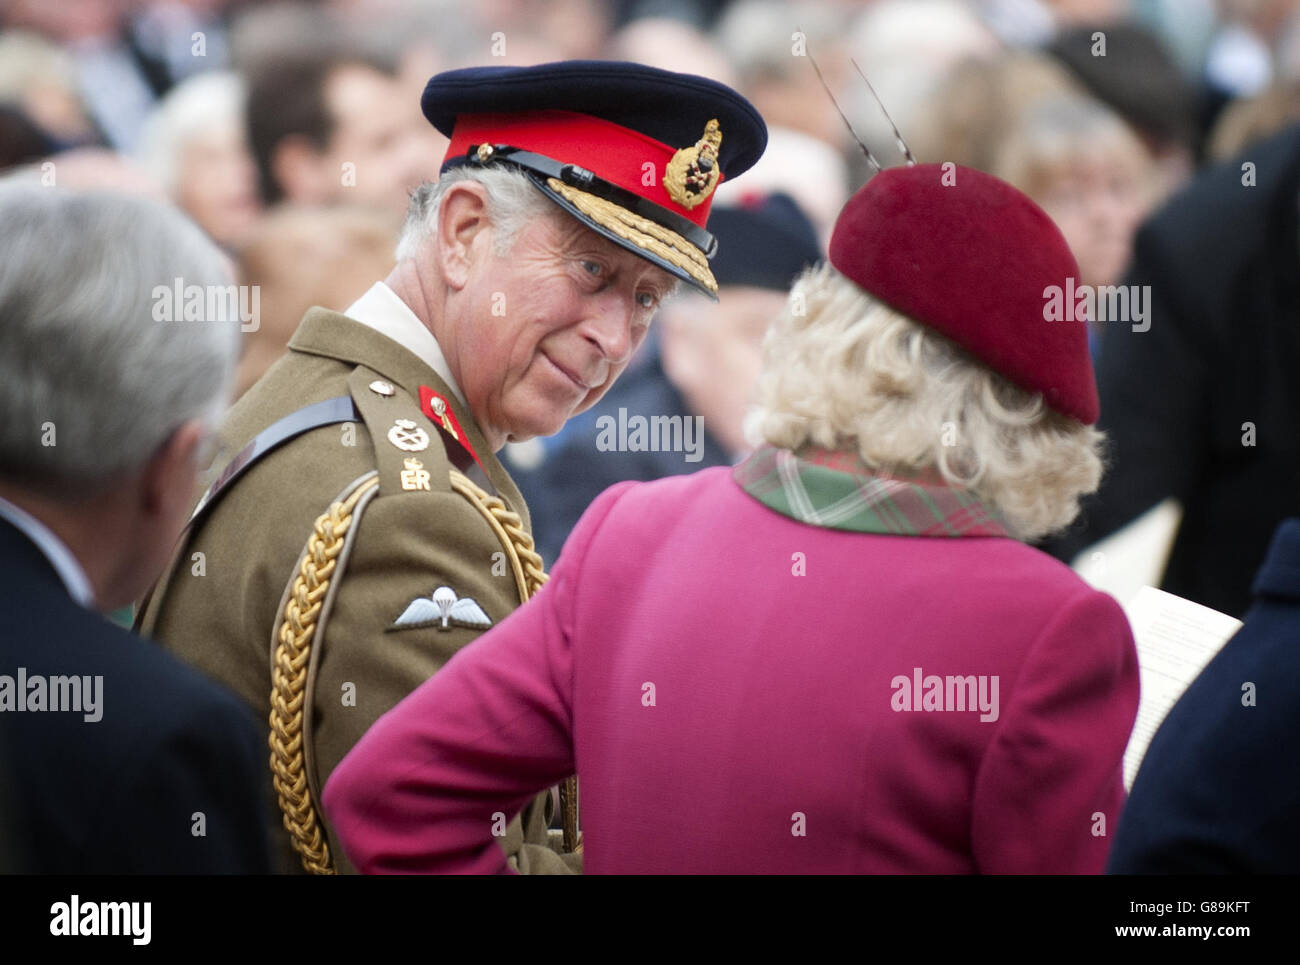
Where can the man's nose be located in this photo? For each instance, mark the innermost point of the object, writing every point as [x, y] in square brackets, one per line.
[609, 326]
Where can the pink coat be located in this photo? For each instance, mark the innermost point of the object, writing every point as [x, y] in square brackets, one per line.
[727, 715]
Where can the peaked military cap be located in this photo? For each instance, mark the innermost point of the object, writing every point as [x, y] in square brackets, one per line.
[633, 152]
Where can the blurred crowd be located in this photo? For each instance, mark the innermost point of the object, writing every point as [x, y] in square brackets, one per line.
[291, 132]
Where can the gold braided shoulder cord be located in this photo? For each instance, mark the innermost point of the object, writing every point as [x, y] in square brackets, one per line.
[529, 578]
[293, 655]
[289, 679]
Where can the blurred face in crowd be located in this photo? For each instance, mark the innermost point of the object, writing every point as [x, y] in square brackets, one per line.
[377, 151]
[1097, 200]
[377, 130]
[57, 109]
[540, 333]
[304, 256]
[712, 352]
[566, 29]
[217, 183]
[796, 100]
[69, 20]
[1089, 11]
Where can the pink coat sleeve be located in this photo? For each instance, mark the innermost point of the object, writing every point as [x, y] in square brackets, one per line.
[424, 789]
[1050, 789]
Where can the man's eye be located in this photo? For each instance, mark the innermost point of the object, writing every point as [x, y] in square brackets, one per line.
[594, 268]
[647, 300]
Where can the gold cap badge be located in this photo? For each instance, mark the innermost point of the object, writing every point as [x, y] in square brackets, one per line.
[693, 172]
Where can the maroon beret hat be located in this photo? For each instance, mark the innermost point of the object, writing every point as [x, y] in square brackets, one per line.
[969, 256]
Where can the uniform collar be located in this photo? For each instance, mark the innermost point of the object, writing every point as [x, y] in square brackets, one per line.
[331, 335]
[828, 490]
[380, 308]
[61, 558]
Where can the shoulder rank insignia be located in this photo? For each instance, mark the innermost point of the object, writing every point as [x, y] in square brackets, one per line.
[440, 413]
[408, 436]
[443, 609]
[415, 476]
[693, 172]
[435, 407]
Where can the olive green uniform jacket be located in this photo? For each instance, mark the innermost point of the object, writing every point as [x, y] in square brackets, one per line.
[222, 603]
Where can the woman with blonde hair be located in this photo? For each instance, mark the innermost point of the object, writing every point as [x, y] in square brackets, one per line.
[838, 656]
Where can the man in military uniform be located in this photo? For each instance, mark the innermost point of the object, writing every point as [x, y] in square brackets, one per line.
[358, 529]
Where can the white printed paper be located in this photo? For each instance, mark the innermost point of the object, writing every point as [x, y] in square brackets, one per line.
[1175, 638]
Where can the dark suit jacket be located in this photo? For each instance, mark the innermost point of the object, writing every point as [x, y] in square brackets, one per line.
[121, 794]
[1223, 264]
[1219, 788]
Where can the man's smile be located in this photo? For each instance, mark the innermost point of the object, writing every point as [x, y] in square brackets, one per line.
[569, 374]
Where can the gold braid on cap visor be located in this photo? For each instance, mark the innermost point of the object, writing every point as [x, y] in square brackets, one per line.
[642, 232]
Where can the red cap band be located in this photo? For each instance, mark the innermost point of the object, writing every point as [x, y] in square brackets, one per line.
[610, 151]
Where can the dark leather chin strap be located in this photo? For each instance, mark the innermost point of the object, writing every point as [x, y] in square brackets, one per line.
[579, 177]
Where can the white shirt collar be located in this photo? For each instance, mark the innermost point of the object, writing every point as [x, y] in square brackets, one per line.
[381, 309]
[55, 550]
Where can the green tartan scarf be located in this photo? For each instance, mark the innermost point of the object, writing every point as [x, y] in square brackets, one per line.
[816, 488]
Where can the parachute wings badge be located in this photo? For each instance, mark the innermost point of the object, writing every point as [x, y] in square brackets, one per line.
[443, 609]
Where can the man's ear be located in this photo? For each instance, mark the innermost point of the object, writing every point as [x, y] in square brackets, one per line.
[462, 217]
[169, 475]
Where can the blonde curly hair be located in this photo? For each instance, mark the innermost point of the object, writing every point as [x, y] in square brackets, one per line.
[843, 371]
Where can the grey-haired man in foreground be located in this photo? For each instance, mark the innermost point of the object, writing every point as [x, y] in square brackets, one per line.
[119, 759]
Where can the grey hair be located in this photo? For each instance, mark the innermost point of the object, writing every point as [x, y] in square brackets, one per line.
[841, 370]
[189, 109]
[513, 201]
[91, 383]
